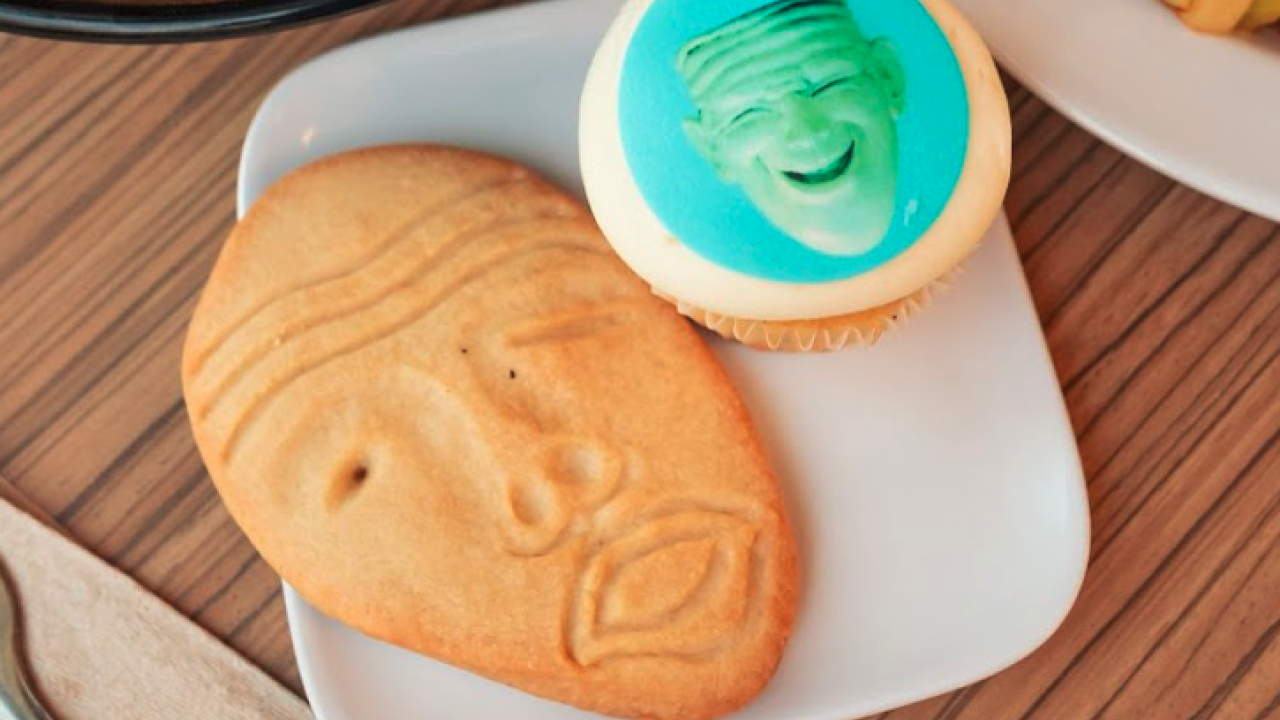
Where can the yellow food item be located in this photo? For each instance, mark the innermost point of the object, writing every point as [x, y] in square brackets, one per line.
[1215, 16]
[1261, 14]
[1225, 16]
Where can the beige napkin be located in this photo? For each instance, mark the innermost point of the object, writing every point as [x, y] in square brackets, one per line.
[101, 646]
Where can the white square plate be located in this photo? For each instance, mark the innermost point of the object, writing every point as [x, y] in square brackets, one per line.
[935, 478]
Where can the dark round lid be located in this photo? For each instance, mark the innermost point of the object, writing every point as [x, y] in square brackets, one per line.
[157, 22]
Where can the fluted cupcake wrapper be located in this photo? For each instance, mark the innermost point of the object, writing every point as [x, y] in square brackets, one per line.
[863, 328]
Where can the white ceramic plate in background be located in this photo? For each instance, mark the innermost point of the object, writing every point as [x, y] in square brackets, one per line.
[1203, 110]
[935, 479]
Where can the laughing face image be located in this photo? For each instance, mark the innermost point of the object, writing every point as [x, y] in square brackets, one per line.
[798, 108]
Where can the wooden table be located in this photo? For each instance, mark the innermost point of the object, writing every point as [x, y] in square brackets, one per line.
[1162, 309]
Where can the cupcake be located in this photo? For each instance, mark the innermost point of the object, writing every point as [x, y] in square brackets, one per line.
[794, 174]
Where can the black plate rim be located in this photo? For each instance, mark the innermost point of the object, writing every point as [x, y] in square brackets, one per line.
[99, 22]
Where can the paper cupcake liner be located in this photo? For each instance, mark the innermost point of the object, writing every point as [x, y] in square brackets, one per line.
[863, 328]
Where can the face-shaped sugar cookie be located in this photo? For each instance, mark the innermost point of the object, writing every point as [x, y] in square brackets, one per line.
[443, 410]
[798, 108]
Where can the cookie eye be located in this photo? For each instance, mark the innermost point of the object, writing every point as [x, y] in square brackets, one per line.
[351, 477]
[359, 473]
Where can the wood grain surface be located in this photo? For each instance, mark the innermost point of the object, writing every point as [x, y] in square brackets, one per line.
[1161, 306]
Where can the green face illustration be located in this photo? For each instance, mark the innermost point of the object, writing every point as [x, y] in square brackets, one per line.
[798, 108]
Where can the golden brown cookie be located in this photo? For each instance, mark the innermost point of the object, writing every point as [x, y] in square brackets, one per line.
[448, 415]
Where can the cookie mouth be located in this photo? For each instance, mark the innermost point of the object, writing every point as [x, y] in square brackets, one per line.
[826, 174]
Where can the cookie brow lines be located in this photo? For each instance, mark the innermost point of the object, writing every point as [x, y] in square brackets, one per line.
[395, 238]
[571, 324]
[410, 315]
[363, 298]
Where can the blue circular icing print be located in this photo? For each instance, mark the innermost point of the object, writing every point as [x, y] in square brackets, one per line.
[794, 140]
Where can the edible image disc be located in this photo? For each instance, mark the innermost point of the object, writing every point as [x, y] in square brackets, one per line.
[793, 140]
